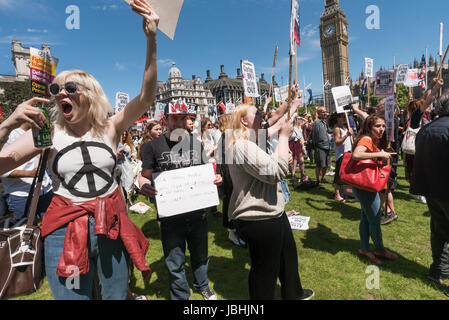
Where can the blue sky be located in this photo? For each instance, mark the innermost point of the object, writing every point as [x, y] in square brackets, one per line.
[110, 43]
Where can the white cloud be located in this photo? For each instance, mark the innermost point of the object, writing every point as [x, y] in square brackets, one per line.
[309, 31]
[36, 30]
[165, 62]
[120, 67]
[105, 7]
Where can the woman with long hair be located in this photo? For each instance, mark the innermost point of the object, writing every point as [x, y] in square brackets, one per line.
[153, 130]
[257, 207]
[86, 228]
[342, 143]
[370, 144]
[307, 133]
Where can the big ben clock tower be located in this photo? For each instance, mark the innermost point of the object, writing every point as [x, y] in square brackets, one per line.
[334, 48]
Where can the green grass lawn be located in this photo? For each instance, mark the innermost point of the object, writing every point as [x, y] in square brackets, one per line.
[327, 252]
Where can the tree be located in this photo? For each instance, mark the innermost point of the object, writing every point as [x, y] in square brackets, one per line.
[15, 93]
[402, 95]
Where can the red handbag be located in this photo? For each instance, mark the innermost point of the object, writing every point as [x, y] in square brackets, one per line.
[369, 175]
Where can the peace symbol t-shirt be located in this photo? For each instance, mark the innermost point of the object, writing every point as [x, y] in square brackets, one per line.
[82, 167]
[162, 154]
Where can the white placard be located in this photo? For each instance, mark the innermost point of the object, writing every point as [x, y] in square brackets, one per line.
[249, 79]
[369, 65]
[121, 100]
[298, 222]
[185, 190]
[385, 81]
[440, 52]
[401, 73]
[230, 107]
[412, 78]
[277, 94]
[168, 12]
[159, 111]
[342, 97]
[389, 117]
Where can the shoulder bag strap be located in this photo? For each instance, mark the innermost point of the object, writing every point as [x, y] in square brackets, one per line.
[37, 188]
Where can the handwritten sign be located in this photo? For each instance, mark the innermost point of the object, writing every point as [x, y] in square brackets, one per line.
[249, 79]
[121, 100]
[369, 67]
[401, 73]
[385, 81]
[389, 117]
[298, 222]
[185, 190]
[342, 97]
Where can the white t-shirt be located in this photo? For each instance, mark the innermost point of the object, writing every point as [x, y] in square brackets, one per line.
[82, 167]
[20, 187]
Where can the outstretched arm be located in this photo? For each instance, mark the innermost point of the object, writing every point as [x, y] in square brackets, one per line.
[136, 107]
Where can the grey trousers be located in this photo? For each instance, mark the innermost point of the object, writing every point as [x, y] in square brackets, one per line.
[439, 235]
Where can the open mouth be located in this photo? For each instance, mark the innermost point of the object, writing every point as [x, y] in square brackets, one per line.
[66, 108]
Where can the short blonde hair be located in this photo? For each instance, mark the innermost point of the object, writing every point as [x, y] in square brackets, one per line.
[99, 104]
[224, 122]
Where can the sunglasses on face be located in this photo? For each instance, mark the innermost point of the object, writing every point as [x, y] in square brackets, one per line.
[71, 87]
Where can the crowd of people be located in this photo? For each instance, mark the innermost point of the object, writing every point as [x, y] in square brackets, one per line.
[97, 161]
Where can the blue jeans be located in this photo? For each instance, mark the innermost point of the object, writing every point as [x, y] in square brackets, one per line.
[370, 219]
[17, 205]
[175, 233]
[107, 257]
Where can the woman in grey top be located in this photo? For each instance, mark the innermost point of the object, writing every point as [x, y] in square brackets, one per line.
[257, 206]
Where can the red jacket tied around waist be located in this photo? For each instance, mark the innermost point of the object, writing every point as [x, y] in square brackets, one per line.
[111, 220]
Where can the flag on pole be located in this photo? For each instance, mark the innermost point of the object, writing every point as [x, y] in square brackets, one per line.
[295, 37]
[363, 90]
[275, 56]
[309, 90]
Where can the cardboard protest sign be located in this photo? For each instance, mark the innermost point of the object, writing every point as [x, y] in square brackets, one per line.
[401, 73]
[185, 190]
[389, 117]
[385, 81]
[159, 111]
[249, 79]
[342, 97]
[369, 65]
[168, 12]
[121, 100]
[412, 78]
[42, 71]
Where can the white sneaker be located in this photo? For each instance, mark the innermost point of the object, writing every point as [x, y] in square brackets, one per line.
[422, 199]
[208, 294]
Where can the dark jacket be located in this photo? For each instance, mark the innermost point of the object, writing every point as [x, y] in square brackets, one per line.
[320, 135]
[431, 166]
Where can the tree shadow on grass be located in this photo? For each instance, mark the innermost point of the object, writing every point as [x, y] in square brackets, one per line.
[323, 239]
[347, 212]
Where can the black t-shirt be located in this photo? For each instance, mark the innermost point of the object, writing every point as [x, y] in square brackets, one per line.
[162, 154]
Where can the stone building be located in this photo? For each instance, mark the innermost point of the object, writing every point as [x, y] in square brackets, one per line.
[21, 59]
[191, 91]
[226, 89]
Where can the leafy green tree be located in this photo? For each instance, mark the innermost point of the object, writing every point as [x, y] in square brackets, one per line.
[14, 94]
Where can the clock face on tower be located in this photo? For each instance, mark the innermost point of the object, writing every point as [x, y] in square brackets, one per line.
[329, 30]
[345, 30]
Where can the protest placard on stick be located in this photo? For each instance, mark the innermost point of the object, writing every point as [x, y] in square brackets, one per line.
[385, 81]
[42, 71]
[342, 97]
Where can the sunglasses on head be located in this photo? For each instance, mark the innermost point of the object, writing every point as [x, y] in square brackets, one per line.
[71, 87]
